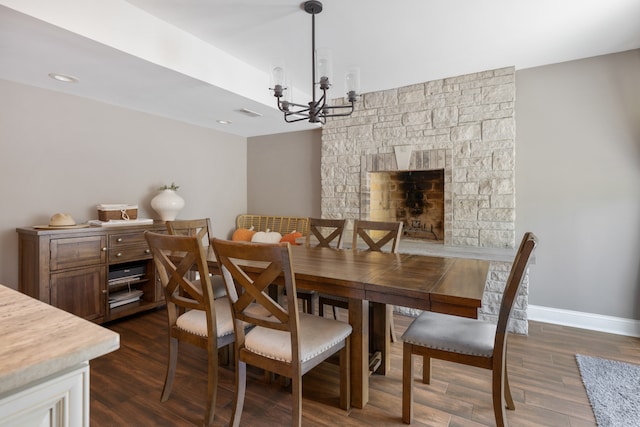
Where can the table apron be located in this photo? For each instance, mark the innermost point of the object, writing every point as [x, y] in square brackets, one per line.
[399, 300]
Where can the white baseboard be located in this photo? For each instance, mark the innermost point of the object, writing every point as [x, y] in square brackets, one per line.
[577, 319]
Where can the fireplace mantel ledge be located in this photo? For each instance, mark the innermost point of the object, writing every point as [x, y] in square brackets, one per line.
[418, 247]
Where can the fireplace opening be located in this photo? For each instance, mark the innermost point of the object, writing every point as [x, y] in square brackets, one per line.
[414, 197]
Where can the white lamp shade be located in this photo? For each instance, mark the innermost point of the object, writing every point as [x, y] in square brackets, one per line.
[278, 75]
[324, 64]
[352, 80]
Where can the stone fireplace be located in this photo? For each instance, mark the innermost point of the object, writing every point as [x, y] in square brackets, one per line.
[463, 126]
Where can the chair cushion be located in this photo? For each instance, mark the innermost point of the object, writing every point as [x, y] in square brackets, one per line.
[451, 333]
[195, 321]
[219, 290]
[317, 334]
[217, 283]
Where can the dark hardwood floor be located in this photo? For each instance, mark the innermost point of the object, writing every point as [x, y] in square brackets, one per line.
[546, 384]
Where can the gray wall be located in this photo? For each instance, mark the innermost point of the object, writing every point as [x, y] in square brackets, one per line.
[61, 153]
[577, 181]
[283, 172]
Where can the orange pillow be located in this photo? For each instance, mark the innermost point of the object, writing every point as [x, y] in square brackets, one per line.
[291, 237]
[243, 234]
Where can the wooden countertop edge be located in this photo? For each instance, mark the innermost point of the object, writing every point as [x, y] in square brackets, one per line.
[39, 341]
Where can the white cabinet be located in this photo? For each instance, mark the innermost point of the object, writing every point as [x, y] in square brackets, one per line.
[44, 362]
[57, 401]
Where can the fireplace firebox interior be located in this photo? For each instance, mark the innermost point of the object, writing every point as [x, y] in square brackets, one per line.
[414, 197]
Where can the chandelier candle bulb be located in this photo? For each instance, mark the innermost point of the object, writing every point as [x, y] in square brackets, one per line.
[352, 82]
[324, 65]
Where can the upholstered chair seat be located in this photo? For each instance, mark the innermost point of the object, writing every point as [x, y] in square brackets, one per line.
[317, 335]
[195, 321]
[450, 333]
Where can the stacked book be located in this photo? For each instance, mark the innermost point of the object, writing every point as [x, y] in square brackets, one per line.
[129, 294]
[117, 299]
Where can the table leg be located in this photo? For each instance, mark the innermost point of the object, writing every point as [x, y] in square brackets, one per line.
[380, 336]
[359, 321]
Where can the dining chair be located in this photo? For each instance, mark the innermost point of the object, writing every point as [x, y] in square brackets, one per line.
[377, 234]
[193, 315]
[374, 235]
[325, 231]
[467, 341]
[328, 232]
[200, 228]
[283, 340]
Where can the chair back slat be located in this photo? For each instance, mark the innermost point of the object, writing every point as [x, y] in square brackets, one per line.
[249, 269]
[175, 258]
[376, 234]
[326, 231]
[200, 228]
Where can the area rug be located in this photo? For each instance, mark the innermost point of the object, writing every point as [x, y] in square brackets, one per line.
[614, 390]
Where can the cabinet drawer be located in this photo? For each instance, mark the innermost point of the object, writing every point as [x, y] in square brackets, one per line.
[129, 253]
[126, 239]
[77, 252]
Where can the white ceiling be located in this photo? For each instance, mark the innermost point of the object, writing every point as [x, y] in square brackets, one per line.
[199, 61]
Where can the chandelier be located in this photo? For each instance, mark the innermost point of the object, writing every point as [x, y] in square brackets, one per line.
[315, 111]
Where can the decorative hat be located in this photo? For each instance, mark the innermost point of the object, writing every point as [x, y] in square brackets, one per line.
[61, 221]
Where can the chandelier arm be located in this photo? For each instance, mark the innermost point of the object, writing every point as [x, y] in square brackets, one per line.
[305, 107]
[322, 102]
[337, 115]
[286, 118]
[338, 107]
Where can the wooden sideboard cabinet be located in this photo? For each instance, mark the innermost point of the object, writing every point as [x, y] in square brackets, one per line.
[71, 269]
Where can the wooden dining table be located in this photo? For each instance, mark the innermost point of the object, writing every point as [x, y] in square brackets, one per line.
[371, 280]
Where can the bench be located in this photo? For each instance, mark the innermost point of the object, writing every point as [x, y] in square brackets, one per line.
[281, 224]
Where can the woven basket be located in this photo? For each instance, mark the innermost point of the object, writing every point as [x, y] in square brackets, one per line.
[117, 214]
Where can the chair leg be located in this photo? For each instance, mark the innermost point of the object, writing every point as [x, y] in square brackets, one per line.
[320, 308]
[345, 375]
[241, 387]
[426, 369]
[212, 386]
[296, 397]
[407, 384]
[507, 390]
[171, 369]
[335, 315]
[313, 302]
[498, 398]
[394, 338]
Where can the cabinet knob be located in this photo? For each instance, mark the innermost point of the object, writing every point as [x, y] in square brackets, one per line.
[119, 239]
[104, 249]
[147, 251]
[119, 254]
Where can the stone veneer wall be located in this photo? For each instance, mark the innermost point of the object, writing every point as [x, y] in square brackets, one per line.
[464, 125]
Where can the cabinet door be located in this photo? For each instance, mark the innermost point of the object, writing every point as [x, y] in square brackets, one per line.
[61, 400]
[81, 292]
[78, 252]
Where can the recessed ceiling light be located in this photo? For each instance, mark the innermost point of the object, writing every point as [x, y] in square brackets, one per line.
[64, 78]
[224, 122]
